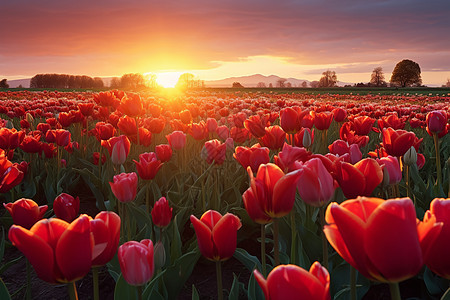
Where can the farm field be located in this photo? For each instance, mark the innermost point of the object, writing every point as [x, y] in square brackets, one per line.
[346, 189]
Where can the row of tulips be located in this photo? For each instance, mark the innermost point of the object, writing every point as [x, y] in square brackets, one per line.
[317, 145]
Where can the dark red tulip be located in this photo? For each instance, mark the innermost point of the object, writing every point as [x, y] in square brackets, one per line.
[66, 207]
[148, 165]
[25, 212]
[161, 213]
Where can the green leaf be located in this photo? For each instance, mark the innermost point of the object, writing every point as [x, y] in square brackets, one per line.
[2, 244]
[4, 294]
[195, 295]
[435, 285]
[234, 292]
[155, 295]
[446, 296]
[254, 291]
[123, 290]
[175, 247]
[249, 261]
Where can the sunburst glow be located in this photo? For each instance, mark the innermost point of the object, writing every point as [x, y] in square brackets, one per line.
[167, 79]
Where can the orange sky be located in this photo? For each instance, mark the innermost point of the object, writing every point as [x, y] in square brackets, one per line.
[215, 40]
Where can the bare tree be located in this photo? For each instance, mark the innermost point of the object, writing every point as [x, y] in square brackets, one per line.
[314, 84]
[261, 85]
[304, 84]
[447, 84]
[377, 77]
[270, 85]
[328, 79]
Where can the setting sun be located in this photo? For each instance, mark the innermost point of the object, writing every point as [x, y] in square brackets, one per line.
[167, 79]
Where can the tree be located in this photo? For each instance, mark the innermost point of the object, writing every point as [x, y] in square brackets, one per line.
[261, 85]
[186, 80]
[406, 73]
[114, 83]
[447, 84]
[281, 82]
[328, 79]
[237, 85]
[3, 84]
[314, 84]
[132, 81]
[288, 85]
[377, 77]
[304, 84]
[270, 85]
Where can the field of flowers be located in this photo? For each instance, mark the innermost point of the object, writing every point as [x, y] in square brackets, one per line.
[339, 193]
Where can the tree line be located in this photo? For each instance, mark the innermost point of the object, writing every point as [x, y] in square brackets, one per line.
[65, 81]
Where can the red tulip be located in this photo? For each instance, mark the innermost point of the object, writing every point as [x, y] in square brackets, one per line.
[105, 229]
[216, 234]
[293, 282]
[104, 131]
[59, 252]
[271, 192]
[87, 109]
[363, 124]
[131, 105]
[239, 135]
[127, 125]
[359, 179]
[211, 124]
[340, 147]
[289, 120]
[348, 134]
[274, 138]
[163, 152]
[304, 138]
[62, 137]
[339, 114]
[148, 165]
[289, 155]
[177, 140]
[373, 235]
[25, 212]
[256, 125]
[397, 142]
[322, 121]
[198, 130]
[124, 186]
[161, 213]
[315, 184]
[10, 175]
[96, 158]
[185, 116]
[252, 157]
[136, 261]
[436, 251]
[31, 144]
[10, 138]
[215, 151]
[66, 207]
[437, 123]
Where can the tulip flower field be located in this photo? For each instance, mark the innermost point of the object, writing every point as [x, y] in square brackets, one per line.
[320, 196]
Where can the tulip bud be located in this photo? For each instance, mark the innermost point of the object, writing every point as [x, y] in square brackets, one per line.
[29, 118]
[66, 207]
[386, 177]
[159, 255]
[307, 141]
[410, 157]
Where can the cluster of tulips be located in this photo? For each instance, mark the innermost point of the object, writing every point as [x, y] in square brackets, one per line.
[283, 158]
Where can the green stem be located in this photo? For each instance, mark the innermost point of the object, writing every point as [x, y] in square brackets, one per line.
[408, 183]
[276, 246]
[324, 238]
[395, 291]
[137, 128]
[139, 292]
[127, 217]
[73, 295]
[438, 160]
[147, 195]
[293, 237]
[263, 249]
[219, 279]
[28, 292]
[95, 281]
[352, 283]
[100, 152]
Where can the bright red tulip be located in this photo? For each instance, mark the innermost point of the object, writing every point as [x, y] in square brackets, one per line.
[136, 261]
[256, 125]
[271, 192]
[216, 234]
[62, 137]
[105, 229]
[177, 140]
[31, 144]
[437, 123]
[25, 212]
[289, 155]
[10, 138]
[363, 124]
[66, 207]
[10, 174]
[252, 157]
[104, 131]
[340, 147]
[185, 116]
[161, 213]
[163, 152]
[131, 105]
[148, 165]
[315, 185]
[215, 151]
[380, 238]
[339, 114]
[124, 186]
[322, 121]
[127, 125]
[436, 251]
[359, 179]
[289, 120]
[293, 282]
[198, 130]
[397, 142]
[59, 252]
[274, 138]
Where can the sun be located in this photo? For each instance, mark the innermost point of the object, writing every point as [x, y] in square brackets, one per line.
[167, 79]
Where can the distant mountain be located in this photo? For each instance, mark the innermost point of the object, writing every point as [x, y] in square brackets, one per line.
[253, 80]
[25, 83]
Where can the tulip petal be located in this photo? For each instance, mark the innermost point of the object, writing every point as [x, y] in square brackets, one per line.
[351, 180]
[290, 282]
[99, 233]
[262, 283]
[373, 174]
[253, 208]
[284, 194]
[204, 237]
[112, 222]
[393, 226]
[210, 218]
[225, 235]
[74, 250]
[36, 250]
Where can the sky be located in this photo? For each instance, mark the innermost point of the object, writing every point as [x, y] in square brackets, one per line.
[220, 39]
